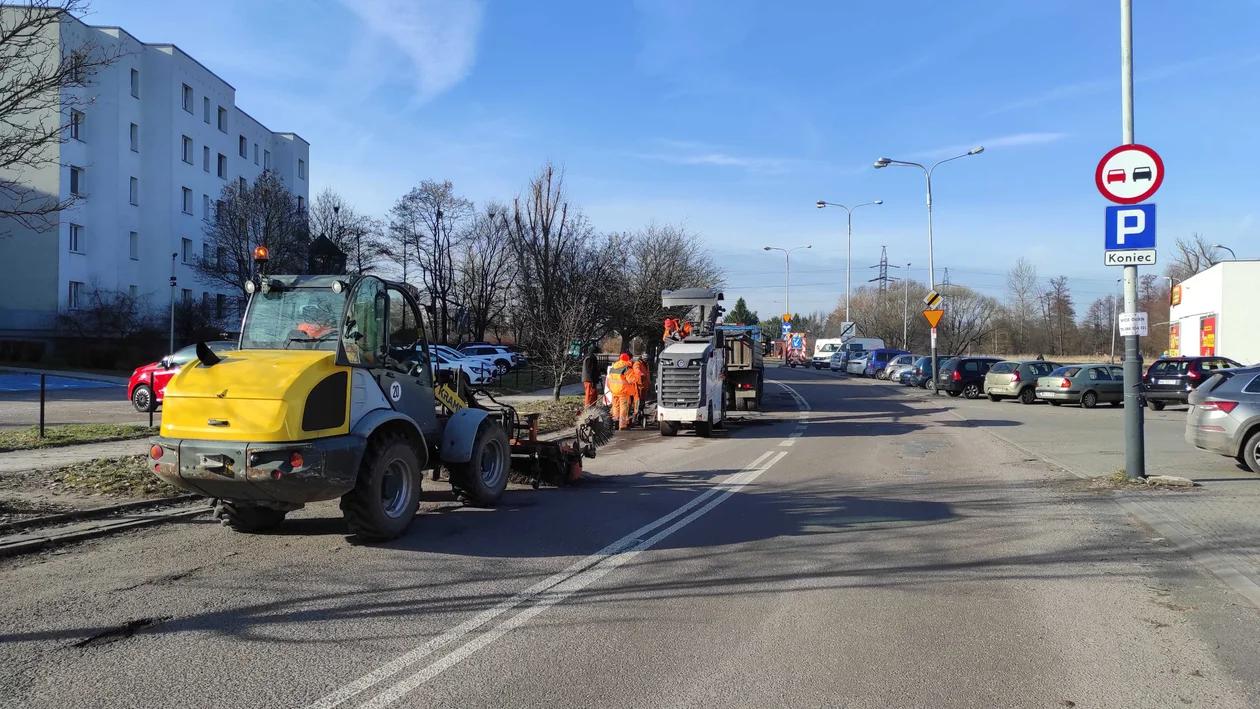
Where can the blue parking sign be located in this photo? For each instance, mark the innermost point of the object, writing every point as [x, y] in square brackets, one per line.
[1130, 226]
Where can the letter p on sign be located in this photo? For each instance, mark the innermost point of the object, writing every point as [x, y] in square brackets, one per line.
[1130, 227]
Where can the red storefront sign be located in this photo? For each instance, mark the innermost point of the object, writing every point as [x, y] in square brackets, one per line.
[1207, 336]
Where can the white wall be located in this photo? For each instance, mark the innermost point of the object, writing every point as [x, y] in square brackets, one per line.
[1230, 291]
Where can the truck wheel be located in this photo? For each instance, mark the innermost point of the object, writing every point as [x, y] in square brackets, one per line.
[244, 517]
[142, 398]
[669, 429]
[484, 477]
[704, 429]
[385, 497]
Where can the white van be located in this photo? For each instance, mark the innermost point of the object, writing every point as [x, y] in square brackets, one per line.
[852, 349]
[823, 349]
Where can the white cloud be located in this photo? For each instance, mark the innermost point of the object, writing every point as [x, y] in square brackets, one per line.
[682, 152]
[439, 37]
[1016, 140]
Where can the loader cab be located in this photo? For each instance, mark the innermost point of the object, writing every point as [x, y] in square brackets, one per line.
[371, 326]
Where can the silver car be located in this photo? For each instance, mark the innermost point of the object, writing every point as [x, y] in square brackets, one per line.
[1084, 384]
[857, 363]
[892, 371]
[1016, 379]
[1224, 415]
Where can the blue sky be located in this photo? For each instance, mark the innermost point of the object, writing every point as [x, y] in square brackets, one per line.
[734, 116]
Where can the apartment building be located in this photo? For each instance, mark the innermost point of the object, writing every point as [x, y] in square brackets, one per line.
[148, 157]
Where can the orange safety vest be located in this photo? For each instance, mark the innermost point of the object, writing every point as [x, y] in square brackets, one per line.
[644, 376]
[623, 380]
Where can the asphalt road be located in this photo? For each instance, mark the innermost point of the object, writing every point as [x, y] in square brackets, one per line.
[852, 547]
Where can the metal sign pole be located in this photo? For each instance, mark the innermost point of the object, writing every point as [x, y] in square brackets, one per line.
[1134, 435]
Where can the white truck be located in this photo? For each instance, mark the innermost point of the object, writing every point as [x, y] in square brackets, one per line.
[823, 349]
[691, 370]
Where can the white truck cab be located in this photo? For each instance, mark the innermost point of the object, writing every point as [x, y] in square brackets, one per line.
[691, 372]
[824, 349]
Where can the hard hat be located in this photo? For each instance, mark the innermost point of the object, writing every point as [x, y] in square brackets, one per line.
[624, 357]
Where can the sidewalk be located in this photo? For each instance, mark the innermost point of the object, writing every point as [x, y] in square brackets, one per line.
[22, 461]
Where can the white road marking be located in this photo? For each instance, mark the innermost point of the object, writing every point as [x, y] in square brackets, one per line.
[725, 489]
[788, 443]
[797, 434]
[561, 592]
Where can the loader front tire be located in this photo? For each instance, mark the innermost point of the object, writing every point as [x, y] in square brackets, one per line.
[387, 494]
[482, 480]
[244, 517]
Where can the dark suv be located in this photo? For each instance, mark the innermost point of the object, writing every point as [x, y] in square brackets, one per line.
[965, 375]
[1170, 380]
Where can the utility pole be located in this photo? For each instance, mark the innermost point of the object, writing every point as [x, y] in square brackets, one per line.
[905, 315]
[1134, 435]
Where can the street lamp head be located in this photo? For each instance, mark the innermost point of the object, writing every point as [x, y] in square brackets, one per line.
[976, 150]
[882, 162]
[765, 248]
[821, 204]
[878, 201]
[808, 246]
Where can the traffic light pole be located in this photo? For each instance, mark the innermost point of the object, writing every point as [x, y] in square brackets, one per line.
[1134, 433]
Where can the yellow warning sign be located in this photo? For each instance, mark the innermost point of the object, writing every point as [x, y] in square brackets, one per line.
[933, 316]
[787, 317]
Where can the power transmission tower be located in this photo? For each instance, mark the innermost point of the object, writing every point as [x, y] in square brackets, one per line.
[945, 282]
[883, 266]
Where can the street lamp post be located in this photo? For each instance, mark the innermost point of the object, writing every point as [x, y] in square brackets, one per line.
[787, 273]
[1232, 256]
[927, 172]
[848, 255]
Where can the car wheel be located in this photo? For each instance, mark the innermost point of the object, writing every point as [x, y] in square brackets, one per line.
[1155, 405]
[971, 391]
[1250, 454]
[1027, 396]
[142, 398]
[881, 374]
[502, 366]
[1089, 400]
[953, 393]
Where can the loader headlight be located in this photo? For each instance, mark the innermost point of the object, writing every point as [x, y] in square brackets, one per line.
[338, 286]
[250, 286]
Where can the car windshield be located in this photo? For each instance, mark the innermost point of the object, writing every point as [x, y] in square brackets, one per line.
[829, 347]
[282, 319]
[1004, 368]
[1065, 372]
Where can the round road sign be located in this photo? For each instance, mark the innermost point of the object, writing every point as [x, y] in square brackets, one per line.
[1129, 174]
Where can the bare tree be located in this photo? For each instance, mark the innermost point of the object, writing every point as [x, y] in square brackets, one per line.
[428, 219]
[1097, 324]
[42, 86]
[969, 318]
[487, 270]
[263, 214]
[1059, 312]
[359, 236]
[1192, 255]
[1022, 292]
[560, 274]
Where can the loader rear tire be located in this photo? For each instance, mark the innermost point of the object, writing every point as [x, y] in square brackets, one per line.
[387, 494]
[482, 480]
[247, 518]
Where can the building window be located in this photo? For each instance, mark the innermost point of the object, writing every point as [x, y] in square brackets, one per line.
[244, 148]
[266, 159]
[222, 119]
[132, 291]
[188, 98]
[301, 169]
[74, 298]
[222, 166]
[188, 150]
[205, 158]
[205, 206]
[243, 184]
[187, 200]
[205, 109]
[186, 295]
[255, 153]
[77, 60]
[76, 239]
[220, 305]
[301, 203]
[133, 246]
[135, 83]
[135, 191]
[76, 180]
[135, 138]
[205, 303]
[76, 124]
[185, 250]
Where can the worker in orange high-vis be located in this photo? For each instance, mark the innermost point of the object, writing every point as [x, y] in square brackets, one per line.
[642, 386]
[623, 385]
[671, 329]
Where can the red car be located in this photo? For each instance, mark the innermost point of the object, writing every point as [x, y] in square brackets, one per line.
[149, 382]
[1115, 176]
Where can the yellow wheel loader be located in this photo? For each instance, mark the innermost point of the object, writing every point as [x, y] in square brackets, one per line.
[332, 395]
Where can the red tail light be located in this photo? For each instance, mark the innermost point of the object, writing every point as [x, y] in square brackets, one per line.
[1015, 377]
[1065, 384]
[155, 452]
[1194, 374]
[956, 376]
[1223, 406]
